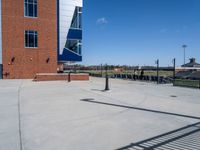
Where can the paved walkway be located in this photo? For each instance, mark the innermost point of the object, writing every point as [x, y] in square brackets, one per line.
[80, 116]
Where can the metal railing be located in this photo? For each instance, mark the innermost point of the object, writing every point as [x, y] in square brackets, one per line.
[136, 77]
[187, 83]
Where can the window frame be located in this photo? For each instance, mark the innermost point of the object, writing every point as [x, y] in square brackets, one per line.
[77, 19]
[27, 3]
[35, 34]
[78, 46]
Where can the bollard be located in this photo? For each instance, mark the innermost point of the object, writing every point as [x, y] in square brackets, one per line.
[107, 84]
[69, 77]
[107, 80]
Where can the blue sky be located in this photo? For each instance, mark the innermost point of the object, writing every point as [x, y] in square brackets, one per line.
[137, 32]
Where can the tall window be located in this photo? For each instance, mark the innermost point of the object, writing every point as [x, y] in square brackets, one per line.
[30, 8]
[77, 18]
[31, 39]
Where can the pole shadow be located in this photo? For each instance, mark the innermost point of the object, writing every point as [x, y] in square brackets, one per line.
[91, 100]
[98, 90]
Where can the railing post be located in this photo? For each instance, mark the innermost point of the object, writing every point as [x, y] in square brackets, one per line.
[157, 68]
[101, 70]
[1, 71]
[174, 69]
[199, 84]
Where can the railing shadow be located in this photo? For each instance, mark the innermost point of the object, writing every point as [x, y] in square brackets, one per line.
[186, 138]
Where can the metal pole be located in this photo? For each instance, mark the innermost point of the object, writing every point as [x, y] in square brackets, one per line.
[1, 71]
[107, 79]
[199, 84]
[184, 55]
[184, 47]
[174, 69]
[69, 76]
[101, 70]
[158, 71]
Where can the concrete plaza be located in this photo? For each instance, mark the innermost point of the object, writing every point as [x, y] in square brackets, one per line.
[81, 116]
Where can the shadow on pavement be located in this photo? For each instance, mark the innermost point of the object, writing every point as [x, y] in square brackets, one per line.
[98, 90]
[186, 138]
[91, 100]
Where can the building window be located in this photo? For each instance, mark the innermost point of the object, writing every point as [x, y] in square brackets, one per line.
[31, 39]
[30, 8]
[74, 45]
[77, 18]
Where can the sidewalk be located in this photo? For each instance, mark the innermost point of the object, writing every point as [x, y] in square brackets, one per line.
[80, 116]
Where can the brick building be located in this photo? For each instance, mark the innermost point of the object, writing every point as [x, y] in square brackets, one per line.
[37, 36]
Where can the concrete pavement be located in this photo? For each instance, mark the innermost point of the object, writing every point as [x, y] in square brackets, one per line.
[80, 116]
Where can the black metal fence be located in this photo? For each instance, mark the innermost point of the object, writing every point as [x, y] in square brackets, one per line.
[161, 79]
[187, 83]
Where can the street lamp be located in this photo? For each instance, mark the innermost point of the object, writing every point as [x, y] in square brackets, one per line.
[184, 47]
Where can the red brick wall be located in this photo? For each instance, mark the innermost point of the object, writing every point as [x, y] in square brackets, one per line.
[54, 77]
[29, 61]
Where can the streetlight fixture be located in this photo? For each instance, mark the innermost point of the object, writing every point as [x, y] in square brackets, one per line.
[184, 47]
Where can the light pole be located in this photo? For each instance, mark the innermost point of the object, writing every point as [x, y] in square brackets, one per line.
[184, 47]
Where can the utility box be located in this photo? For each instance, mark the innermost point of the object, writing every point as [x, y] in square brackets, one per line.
[1, 71]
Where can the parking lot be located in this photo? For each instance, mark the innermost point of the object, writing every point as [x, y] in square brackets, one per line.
[80, 115]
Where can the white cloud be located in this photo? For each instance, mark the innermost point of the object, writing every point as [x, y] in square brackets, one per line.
[102, 21]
